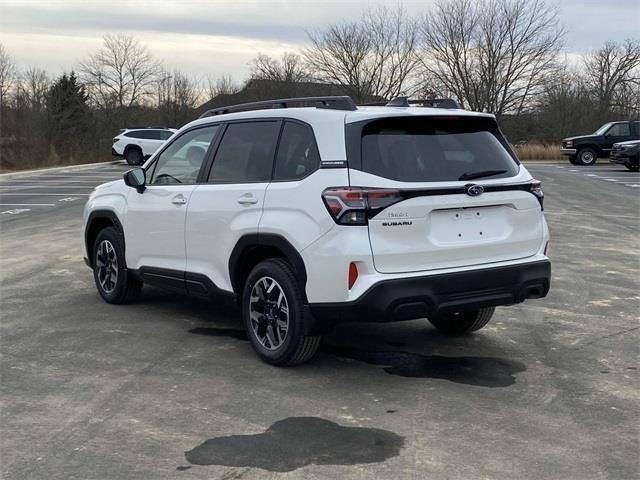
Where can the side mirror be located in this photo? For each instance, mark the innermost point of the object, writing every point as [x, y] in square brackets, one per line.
[136, 178]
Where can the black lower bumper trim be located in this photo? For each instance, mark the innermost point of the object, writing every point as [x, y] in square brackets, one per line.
[417, 297]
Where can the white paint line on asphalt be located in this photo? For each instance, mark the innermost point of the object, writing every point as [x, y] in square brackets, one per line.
[15, 211]
[27, 204]
[610, 179]
[38, 194]
[576, 214]
[47, 181]
[19, 187]
[69, 199]
[632, 185]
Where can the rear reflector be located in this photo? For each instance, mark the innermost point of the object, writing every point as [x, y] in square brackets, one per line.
[353, 274]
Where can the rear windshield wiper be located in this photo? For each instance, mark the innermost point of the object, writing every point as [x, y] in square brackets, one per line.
[484, 173]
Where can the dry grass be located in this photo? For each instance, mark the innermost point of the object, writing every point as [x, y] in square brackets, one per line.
[537, 151]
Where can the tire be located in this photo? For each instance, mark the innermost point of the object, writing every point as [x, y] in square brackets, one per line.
[264, 316]
[586, 156]
[461, 323]
[108, 250]
[633, 168]
[133, 156]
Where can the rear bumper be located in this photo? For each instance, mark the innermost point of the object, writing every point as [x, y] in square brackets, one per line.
[418, 297]
[568, 151]
[114, 153]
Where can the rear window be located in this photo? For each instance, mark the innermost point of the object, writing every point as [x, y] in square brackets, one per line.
[435, 149]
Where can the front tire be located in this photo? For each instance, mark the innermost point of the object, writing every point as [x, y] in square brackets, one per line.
[272, 310]
[460, 323]
[113, 280]
[586, 156]
[133, 156]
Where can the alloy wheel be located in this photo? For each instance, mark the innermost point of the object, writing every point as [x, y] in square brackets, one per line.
[269, 313]
[107, 265]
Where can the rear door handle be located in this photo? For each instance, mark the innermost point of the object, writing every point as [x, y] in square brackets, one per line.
[179, 199]
[247, 199]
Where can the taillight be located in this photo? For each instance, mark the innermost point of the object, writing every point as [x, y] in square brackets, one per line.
[535, 187]
[115, 139]
[355, 205]
[546, 249]
[353, 274]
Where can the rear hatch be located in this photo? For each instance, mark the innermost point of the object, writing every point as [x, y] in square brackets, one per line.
[451, 193]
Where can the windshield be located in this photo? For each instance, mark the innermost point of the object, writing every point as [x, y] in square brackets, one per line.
[436, 149]
[602, 129]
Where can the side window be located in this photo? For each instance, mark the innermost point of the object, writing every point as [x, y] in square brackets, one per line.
[133, 134]
[180, 162]
[245, 153]
[619, 130]
[165, 134]
[297, 153]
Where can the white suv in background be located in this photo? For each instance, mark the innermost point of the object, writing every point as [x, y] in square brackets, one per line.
[309, 216]
[136, 144]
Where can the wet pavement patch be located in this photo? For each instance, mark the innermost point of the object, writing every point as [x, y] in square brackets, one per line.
[480, 371]
[295, 442]
[220, 332]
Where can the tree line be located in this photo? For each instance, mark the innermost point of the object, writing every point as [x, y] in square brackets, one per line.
[499, 56]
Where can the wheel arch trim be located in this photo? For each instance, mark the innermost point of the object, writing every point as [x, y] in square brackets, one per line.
[247, 242]
[100, 215]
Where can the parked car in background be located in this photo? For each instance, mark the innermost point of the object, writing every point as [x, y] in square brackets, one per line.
[137, 144]
[586, 149]
[627, 154]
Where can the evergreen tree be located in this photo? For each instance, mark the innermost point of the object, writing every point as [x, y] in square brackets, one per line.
[69, 115]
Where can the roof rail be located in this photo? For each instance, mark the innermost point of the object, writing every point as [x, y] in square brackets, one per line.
[142, 127]
[429, 102]
[330, 102]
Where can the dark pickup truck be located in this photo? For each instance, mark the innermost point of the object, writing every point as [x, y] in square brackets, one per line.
[586, 149]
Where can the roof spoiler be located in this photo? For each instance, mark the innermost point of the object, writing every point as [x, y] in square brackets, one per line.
[428, 102]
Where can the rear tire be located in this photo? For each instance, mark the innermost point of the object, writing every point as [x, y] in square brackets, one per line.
[461, 323]
[586, 156]
[133, 156]
[272, 311]
[113, 281]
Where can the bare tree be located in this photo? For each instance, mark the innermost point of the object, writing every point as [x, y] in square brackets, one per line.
[7, 74]
[33, 87]
[492, 55]
[121, 73]
[222, 85]
[372, 57]
[289, 68]
[178, 95]
[613, 74]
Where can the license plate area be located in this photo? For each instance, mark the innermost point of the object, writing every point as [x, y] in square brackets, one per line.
[465, 225]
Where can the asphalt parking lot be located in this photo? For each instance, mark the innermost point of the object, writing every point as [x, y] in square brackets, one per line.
[169, 387]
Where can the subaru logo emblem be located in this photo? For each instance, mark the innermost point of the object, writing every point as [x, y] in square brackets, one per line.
[475, 190]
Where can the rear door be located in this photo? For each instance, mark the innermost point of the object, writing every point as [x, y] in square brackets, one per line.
[619, 132]
[439, 222]
[229, 205]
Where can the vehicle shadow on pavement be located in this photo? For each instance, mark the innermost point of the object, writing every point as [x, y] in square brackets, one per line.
[469, 370]
[295, 442]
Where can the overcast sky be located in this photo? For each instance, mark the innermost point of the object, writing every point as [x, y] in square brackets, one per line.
[214, 37]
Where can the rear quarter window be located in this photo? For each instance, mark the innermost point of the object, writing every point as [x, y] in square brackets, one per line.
[433, 149]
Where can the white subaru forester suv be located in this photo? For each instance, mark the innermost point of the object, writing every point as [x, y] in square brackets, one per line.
[307, 216]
